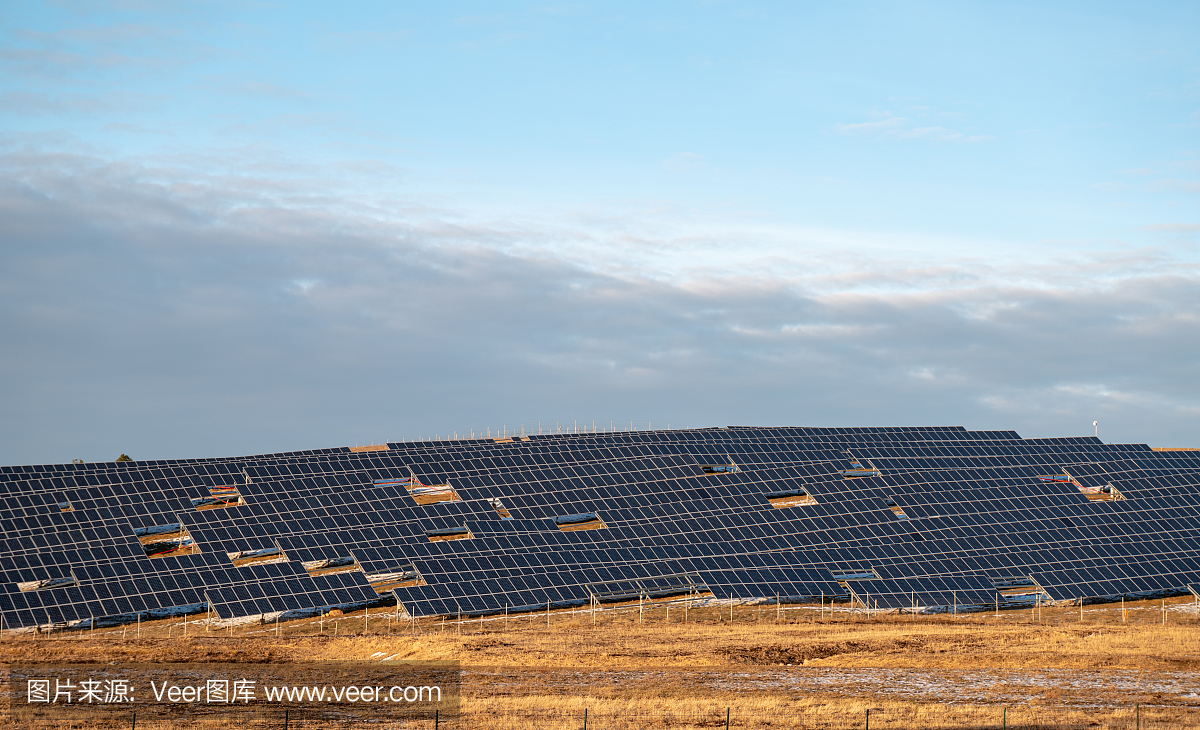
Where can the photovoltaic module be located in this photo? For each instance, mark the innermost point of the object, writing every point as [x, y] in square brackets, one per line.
[888, 517]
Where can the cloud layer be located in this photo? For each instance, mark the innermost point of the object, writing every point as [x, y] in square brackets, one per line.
[168, 313]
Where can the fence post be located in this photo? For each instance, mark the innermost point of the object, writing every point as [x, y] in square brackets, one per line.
[868, 718]
[585, 718]
[1005, 718]
[726, 718]
[133, 723]
[436, 718]
[285, 720]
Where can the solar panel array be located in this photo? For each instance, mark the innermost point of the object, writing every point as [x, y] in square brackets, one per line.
[906, 515]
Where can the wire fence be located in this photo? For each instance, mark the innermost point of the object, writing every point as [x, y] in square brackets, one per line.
[908, 717]
[1175, 611]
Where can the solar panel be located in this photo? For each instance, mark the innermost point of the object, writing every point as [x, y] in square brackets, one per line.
[974, 507]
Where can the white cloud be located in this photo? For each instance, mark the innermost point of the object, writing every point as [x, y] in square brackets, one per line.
[889, 126]
[876, 127]
[1183, 186]
[196, 314]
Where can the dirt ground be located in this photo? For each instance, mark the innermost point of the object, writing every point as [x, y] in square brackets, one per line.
[796, 668]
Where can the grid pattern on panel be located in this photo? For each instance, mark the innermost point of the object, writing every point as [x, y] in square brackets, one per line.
[921, 508]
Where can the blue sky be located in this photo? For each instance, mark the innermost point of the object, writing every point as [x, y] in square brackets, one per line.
[244, 227]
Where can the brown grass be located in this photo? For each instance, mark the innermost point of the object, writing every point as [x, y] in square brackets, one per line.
[634, 671]
[557, 712]
[627, 639]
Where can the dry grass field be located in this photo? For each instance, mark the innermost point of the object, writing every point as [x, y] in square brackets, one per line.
[797, 669]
